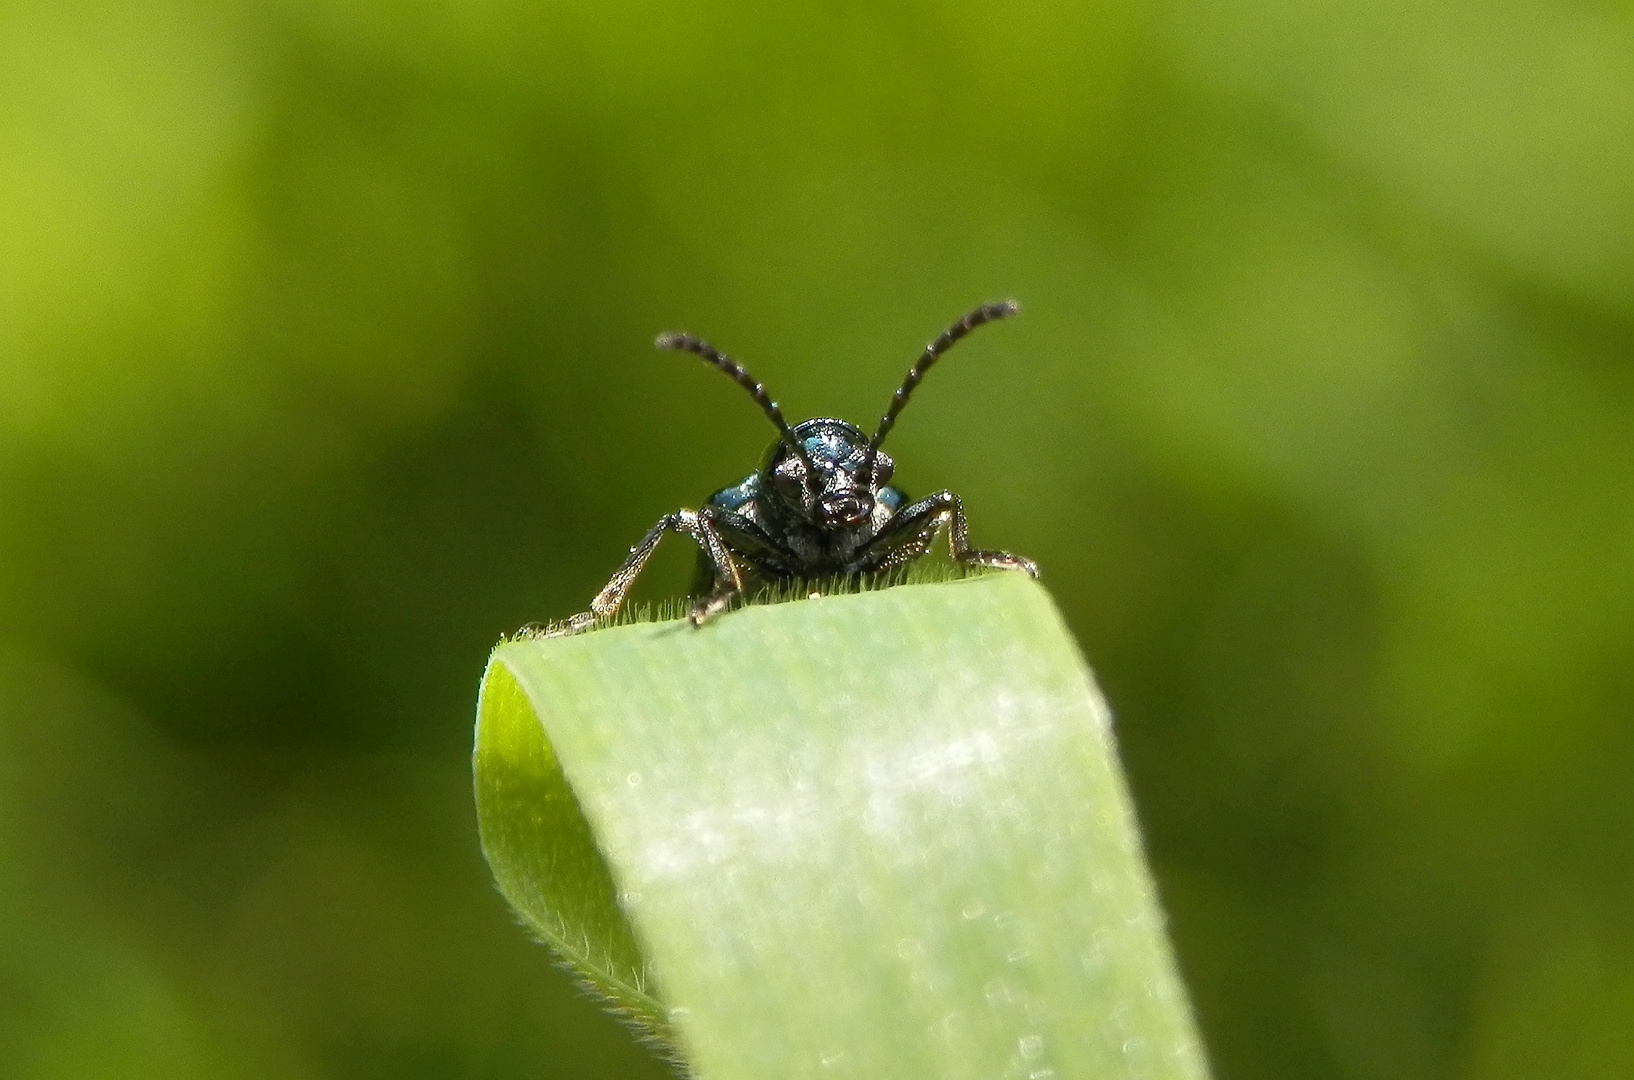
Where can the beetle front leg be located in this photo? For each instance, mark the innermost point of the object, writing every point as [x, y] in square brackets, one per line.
[607, 602]
[909, 534]
[728, 580]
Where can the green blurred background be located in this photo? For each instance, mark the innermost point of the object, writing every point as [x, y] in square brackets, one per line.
[325, 359]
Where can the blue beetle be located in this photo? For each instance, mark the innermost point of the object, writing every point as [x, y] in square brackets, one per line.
[820, 506]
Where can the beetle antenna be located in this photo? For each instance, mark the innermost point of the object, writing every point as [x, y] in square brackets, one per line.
[985, 314]
[740, 375]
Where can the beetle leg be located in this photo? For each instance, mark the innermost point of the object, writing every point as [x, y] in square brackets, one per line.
[712, 605]
[909, 534]
[607, 602]
[728, 580]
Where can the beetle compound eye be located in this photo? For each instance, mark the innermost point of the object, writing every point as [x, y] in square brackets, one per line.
[789, 480]
[884, 469]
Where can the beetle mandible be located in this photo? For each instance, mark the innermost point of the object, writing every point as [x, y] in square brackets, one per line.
[821, 504]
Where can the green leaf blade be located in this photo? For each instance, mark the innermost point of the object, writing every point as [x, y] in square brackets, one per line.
[869, 835]
[545, 858]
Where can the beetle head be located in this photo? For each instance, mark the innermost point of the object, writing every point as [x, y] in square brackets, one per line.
[828, 472]
[833, 484]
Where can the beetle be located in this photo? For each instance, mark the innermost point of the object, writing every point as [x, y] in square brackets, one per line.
[820, 506]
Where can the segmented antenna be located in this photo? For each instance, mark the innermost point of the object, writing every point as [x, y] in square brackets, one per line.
[985, 314]
[740, 375]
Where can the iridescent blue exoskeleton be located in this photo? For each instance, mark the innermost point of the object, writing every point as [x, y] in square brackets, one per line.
[821, 506]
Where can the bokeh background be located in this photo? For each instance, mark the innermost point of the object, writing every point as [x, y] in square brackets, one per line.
[325, 359]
